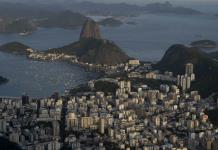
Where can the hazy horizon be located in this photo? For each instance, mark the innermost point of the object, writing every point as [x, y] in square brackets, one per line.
[208, 6]
[119, 1]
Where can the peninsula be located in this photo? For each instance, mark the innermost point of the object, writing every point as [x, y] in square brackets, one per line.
[91, 49]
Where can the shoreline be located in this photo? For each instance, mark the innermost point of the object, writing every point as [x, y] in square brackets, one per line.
[85, 67]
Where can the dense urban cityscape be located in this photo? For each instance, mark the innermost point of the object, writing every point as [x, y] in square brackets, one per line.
[108, 97]
[169, 117]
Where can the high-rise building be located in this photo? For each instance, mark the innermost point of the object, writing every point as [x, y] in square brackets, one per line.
[56, 128]
[102, 125]
[188, 82]
[124, 87]
[189, 69]
[184, 81]
[3, 125]
[86, 122]
[25, 99]
[72, 121]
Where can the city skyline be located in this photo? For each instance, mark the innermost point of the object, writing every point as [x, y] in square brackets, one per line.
[81, 76]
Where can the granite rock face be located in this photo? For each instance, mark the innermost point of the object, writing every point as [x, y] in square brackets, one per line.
[90, 30]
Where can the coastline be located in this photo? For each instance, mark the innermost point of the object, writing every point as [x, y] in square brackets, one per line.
[97, 68]
[89, 74]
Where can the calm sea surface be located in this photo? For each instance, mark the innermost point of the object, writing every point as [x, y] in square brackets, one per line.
[147, 40]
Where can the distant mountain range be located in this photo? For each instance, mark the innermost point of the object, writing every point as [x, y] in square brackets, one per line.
[205, 44]
[167, 7]
[22, 18]
[205, 68]
[128, 9]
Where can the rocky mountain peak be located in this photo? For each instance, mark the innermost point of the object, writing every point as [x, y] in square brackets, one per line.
[90, 30]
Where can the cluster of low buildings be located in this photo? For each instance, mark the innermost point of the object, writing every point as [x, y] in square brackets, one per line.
[52, 56]
[167, 118]
[107, 69]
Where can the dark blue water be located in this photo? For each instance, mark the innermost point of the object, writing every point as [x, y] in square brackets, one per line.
[147, 40]
[39, 79]
[154, 34]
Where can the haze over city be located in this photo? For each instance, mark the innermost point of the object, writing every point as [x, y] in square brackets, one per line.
[108, 74]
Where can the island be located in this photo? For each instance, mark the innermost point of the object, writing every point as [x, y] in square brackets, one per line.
[205, 44]
[16, 48]
[110, 22]
[20, 25]
[129, 10]
[3, 80]
[168, 8]
[24, 19]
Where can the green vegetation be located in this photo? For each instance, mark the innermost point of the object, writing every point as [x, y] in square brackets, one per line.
[213, 117]
[94, 51]
[15, 48]
[214, 55]
[80, 89]
[110, 22]
[152, 83]
[205, 68]
[106, 87]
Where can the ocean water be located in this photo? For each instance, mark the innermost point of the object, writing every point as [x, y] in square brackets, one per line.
[147, 40]
[39, 79]
[154, 34]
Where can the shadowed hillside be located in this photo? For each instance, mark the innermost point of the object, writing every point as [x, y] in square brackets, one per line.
[205, 68]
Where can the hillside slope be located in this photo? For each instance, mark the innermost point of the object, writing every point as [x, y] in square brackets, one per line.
[205, 68]
[96, 51]
[15, 48]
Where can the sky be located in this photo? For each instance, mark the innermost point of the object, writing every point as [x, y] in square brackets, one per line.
[207, 5]
[148, 1]
[127, 1]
